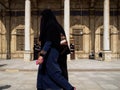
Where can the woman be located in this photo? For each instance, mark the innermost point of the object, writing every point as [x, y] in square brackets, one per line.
[64, 51]
[49, 73]
[36, 49]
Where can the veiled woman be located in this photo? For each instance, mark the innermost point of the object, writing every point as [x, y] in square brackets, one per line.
[49, 73]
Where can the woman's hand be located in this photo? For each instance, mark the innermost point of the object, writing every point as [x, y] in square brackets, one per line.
[74, 88]
[63, 42]
[40, 60]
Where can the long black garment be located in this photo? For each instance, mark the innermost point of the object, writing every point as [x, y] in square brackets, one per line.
[62, 60]
[46, 22]
[49, 73]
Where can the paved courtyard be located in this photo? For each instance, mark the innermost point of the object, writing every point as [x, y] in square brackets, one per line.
[83, 74]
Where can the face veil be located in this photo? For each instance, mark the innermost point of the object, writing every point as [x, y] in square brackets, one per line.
[47, 18]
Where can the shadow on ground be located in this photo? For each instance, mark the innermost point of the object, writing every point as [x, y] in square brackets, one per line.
[5, 87]
[1, 65]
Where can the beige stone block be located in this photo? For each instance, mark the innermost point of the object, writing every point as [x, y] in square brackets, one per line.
[107, 56]
[27, 56]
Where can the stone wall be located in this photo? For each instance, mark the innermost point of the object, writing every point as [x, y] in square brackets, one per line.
[81, 16]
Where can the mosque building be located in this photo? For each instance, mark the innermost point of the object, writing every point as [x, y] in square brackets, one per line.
[91, 26]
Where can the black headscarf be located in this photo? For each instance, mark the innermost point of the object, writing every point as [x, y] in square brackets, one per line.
[50, 29]
[47, 17]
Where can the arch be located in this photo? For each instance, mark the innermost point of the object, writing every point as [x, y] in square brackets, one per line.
[86, 40]
[112, 27]
[113, 39]
[14, 52]
[3, 39]
[78, 26]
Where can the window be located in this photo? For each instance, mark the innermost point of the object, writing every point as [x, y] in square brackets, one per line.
[20, 39]
[78, 39]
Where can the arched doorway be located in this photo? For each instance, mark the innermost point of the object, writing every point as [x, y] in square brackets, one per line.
[113, 41]
[18, 43]
[80, 38]
[3, 39]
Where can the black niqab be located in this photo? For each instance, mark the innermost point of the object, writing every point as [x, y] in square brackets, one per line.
[47, 18]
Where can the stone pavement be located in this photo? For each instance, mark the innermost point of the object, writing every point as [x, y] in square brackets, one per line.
[83, 74]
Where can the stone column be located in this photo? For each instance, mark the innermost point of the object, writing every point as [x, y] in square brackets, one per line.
[67, 21]
[67, 18]
[106, 34]
[8, 33]
[118, 26]
[27, 53]
[9, 38]
[92, 28]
